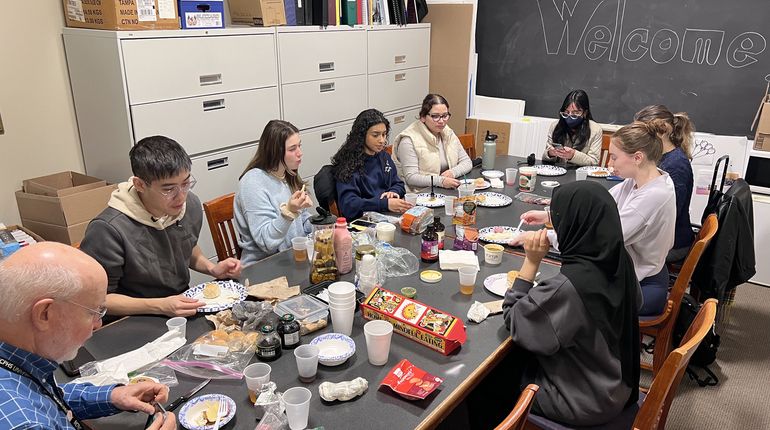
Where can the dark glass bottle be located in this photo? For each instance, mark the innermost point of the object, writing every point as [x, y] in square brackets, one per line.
[429, 246]
[268, 344]
[439, 229]
[288, 331]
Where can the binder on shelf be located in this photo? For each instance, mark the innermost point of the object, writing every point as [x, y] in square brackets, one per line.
[349, 16]
[331, 11]
[321, 12]
[308, 6]
[299, 12]
[338, 11]
[290, 8]
[411, 12]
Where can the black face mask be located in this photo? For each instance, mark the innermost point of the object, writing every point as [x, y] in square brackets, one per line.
[572, 123]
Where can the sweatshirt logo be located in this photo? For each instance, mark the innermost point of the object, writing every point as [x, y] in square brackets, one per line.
[387, 167]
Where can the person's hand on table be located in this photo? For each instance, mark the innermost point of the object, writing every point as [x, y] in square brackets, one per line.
[449, 181]
[169, 423]
[227, 268]
[398, 205]
[534, 217]
[179, 306]
[389, 195]
[137, 397]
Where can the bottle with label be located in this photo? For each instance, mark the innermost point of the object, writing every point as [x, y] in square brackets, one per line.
[490, 151]
[343, 246]
[324, 266]
[268, 344]
[288, 331]
[439, 229]
[429, 248]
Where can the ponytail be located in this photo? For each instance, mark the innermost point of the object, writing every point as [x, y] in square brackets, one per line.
[681, 136]
[642, 137]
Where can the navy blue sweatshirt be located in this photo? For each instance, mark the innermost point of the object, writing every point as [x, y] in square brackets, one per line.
[362, 192]
[676, 164]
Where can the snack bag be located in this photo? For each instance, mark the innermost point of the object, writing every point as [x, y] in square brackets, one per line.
[411, 382]
[466, 238]
[464, 211]
[416, 219]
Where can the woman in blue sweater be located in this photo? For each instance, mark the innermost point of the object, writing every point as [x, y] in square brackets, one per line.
[366, 175]
[677, 153]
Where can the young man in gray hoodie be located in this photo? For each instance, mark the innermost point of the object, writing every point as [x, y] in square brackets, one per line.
[147, 237]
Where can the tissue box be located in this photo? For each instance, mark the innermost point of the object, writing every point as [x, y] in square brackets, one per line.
[423, 324]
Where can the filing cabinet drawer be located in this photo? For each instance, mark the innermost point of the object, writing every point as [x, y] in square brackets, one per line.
[319, 146]
[398, 49]
[171, 68]
[202, 124]
[399, 121]
[321, 55]
[391, 91]
[315, 103]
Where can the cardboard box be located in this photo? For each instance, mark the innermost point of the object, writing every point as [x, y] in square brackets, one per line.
[417, 321]
[65, 234]
[61, 184]
[257, 12]
[762, 138]
[121, 14]
[202, 14]
[478, 128]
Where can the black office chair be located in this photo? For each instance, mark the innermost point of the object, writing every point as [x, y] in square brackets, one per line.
[325, 187]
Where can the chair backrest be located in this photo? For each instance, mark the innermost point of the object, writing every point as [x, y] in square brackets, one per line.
[389, 149]
[654, 411]
[517, 419]
[219, 214]
[604, 156]
[469, 144]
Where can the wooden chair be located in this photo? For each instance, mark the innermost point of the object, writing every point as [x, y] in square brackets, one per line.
[661, 327]
[517, 419]
[604, 156]
[651, 411]
[389, 149]
[219, 214]
[469, 144]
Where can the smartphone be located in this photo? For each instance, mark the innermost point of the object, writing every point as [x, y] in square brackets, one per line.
[557, 145]
[72, 367]
[361, 224]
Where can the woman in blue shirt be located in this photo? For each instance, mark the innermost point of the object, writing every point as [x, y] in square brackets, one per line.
[366, 175]
[677, 153]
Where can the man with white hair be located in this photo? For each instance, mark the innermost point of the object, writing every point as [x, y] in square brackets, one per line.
[53, 298]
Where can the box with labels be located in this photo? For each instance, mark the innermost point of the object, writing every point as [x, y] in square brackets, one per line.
[122, 14]
[262, 13]
[202, 14]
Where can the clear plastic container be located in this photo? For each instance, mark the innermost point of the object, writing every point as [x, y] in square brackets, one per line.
[303, 307]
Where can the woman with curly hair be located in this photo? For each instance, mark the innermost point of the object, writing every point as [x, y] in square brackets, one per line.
[366, 175]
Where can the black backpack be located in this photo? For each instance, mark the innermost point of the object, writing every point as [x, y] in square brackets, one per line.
[707, 350]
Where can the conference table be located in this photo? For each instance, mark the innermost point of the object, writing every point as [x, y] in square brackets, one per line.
[378, 408]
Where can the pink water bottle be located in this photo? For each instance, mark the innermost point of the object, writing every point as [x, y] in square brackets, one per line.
[343, 246]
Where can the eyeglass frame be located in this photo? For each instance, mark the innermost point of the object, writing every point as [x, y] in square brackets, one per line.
[566, 115]
[101, 311]
[436, 117]
[176, 189]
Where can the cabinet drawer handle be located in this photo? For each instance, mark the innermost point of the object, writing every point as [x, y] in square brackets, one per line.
[400, 59]
[210, 105]
[326, 67]
[214, 79]
[400, 77]
[399, 119]
[331, 135]
[327, 87]
[218, 163]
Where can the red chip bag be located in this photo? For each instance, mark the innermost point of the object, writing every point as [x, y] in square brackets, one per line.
[411, 382]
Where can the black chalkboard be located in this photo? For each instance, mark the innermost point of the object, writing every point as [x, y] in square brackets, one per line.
[707, 57]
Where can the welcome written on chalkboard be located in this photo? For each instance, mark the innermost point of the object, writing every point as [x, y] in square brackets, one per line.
[706, 57]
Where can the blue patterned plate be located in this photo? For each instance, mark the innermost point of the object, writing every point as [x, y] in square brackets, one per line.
[492, 200]
[548, 170]
[334, 348]
[231, 292]
[191, 414]
[503, 236]
[424, 199]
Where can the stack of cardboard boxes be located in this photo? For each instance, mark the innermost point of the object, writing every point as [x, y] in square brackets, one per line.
[762, 138]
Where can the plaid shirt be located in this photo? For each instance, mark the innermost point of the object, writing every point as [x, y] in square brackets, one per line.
[23, 405]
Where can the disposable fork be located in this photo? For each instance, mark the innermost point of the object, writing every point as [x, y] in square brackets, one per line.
[221, 412]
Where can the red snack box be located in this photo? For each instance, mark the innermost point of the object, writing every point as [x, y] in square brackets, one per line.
[431, 327]
[410, 381]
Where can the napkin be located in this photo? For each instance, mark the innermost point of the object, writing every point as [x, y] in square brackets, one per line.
[115, 370]
[453, 260]
[496, 183]
[274, 290]
[478, 312]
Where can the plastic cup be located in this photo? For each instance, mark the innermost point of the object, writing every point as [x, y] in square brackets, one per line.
[449, 205]
[467, 279]
[342, 319]
[548, 221]
[411, 198]
[581, 175]
[178, 324]
[493, 253]
[386, 232]
[310, 246]
[299, 245]
[511, 174]
[465, 190]
[307, 362]
[527, 179]
[297, 401]
[378, 334]
[341, 290]
[256, 375]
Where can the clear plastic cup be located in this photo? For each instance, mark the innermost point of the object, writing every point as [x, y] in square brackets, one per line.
[411, 198]
[297, 400]
[256, 375]
[299, 245]
[310, 245]
[178, 324]
[465, 190]
[511, 175]
[467, 279]
[386, 232]
[449, 205]
[378, 334]
[307, 362]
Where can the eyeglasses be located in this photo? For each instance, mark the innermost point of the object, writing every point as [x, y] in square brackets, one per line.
[574, 115]
[100, 312]
[174, 190]
[439, 116]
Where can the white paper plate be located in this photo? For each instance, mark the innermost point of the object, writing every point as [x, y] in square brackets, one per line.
[498, 284]
[596, 171]
[548, 170]
[493, 200]
[231, 292]
[471, 181]
[334, 348]
[192, 411]
[491, 174]
[487, 234]
[423, 199]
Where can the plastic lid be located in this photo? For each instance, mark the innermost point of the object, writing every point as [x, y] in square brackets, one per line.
[267, 328]
[342, 221]
[287, 317]
[302, 307]
[430, 276]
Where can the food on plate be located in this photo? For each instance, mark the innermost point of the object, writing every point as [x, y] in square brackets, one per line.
[600, 173]
[481, 198]
[212, 409]
[512, 275]
[211, 290]
[504, 235]
[479, 182]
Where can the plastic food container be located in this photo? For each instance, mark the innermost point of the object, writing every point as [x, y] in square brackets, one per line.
[303, 307]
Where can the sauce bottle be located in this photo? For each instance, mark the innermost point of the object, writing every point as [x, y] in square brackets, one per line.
[429, 246]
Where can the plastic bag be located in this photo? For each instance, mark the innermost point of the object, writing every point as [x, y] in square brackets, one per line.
[216, 355]
[156, 373]
[392, 261]
[252, 315]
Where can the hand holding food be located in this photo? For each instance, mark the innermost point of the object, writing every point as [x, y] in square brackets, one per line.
[298, 201]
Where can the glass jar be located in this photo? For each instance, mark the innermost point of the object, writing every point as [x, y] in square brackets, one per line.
[268, 344]
[324, 262]
[288, 331]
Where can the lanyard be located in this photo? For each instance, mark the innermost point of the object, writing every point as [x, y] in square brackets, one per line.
[56, 396]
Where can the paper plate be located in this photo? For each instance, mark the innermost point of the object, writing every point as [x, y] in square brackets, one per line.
[423, 199]
[191, 414]
[487, 234]
[596, 171]
[478, 187]
[334, 348]
[548, 170]
[491, 174]
[231, 292]
[492, 200]
[497, 284]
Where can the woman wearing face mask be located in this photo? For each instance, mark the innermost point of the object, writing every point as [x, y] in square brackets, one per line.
[271, 204]
[575, 137]
[428, 148]
[366, 175]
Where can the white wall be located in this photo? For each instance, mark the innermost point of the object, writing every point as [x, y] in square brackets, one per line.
[41, 134]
